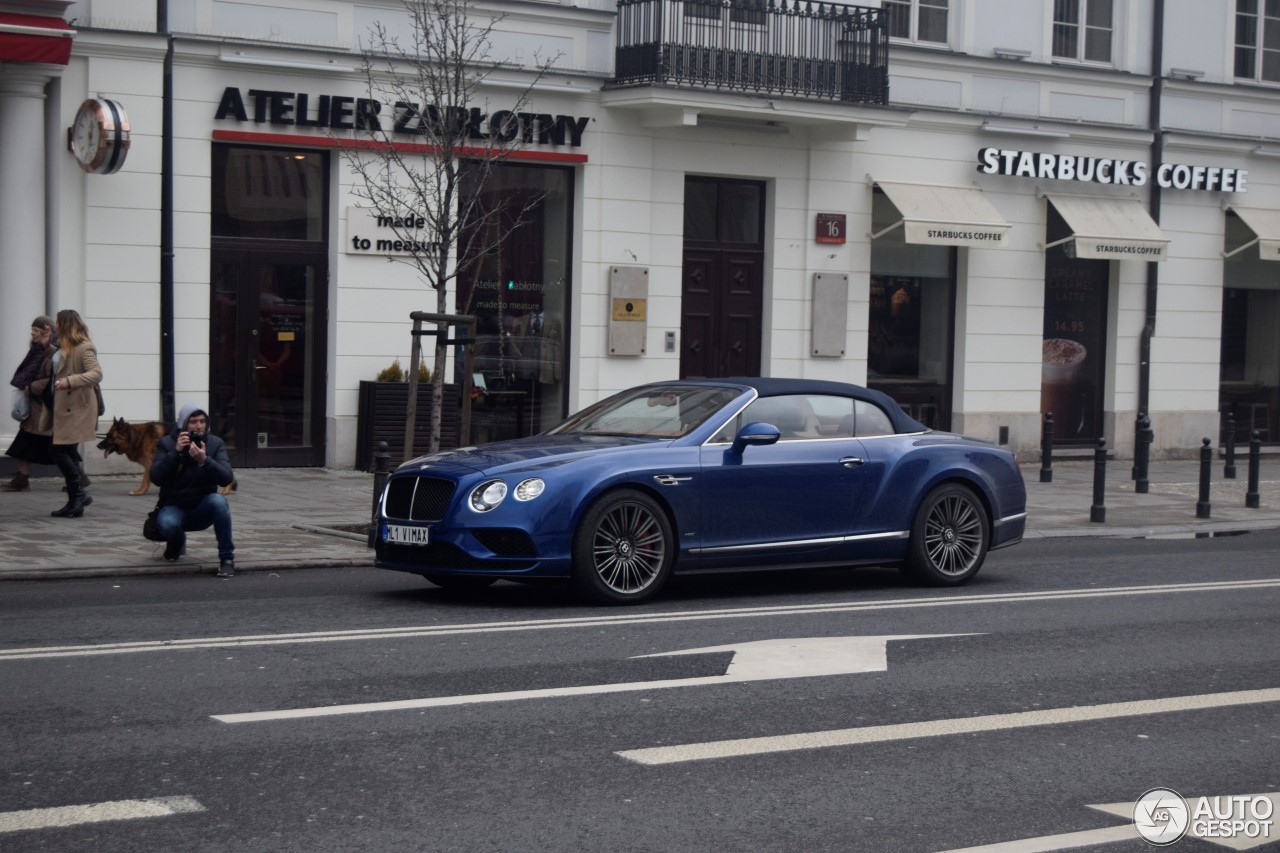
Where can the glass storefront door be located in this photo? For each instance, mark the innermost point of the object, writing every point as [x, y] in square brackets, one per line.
[269, 278]
[267, 356]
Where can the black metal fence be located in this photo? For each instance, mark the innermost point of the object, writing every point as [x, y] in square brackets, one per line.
[804, 50]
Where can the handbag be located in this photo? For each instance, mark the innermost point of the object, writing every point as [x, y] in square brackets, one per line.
[21, 406]
[102, 406]
[151, 527]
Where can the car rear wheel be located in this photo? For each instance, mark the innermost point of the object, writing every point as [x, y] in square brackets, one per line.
[623, 550]
[460, 583]
[949, 538]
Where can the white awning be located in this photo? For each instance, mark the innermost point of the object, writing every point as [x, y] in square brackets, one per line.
[1110, 228]
[944, 216]
[1265, 225]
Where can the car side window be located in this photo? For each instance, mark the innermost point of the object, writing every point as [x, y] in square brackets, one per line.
[871, 420]
[799, 417]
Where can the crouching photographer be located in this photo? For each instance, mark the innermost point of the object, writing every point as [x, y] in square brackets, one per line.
[189, 467]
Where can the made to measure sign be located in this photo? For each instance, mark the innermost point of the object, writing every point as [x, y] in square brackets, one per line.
[373, 233]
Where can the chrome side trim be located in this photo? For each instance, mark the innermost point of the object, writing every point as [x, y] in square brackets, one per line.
[1009, 518]
[670, 479]
[828, 540]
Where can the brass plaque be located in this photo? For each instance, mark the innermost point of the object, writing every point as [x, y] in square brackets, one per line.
[629, 309]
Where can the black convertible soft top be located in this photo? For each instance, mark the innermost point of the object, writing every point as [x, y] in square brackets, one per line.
[772, 386]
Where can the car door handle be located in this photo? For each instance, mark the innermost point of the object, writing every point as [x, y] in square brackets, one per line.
[852, 461]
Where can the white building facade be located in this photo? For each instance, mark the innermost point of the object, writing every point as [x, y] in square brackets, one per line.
[1067, 206]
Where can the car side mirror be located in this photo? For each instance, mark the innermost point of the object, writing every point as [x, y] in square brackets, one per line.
[755, 434]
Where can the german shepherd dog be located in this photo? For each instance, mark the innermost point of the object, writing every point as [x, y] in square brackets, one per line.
[138, 442]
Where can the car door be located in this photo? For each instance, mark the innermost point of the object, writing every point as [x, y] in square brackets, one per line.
[800, 496]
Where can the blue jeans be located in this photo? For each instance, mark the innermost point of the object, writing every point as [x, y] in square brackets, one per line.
[175, 522]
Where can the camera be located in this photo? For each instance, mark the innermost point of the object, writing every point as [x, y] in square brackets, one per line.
[197, 438]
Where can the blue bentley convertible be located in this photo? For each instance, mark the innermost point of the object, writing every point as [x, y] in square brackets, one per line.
[704, 475]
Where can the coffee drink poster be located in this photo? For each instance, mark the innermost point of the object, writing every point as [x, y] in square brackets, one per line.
[1072, 352]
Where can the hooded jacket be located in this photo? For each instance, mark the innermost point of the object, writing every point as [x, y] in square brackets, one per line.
[182, 482]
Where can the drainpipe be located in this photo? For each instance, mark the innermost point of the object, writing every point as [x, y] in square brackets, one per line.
[1153, 268]
[167, 411]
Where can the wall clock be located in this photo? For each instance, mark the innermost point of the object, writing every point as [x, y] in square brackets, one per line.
[100, 136]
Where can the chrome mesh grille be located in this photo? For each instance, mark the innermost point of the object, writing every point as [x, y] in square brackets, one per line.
[419, 498]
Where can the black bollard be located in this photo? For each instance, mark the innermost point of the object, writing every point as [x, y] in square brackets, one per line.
[381, 469]
[1046, 449]
[1098, 512]
[1142, 455]
[1229, 467]
[1255, 460]
[1206, 463]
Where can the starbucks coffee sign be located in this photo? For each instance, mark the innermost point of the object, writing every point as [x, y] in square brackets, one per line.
[1104, 170]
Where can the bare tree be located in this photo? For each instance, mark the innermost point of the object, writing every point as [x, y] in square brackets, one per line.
[423, 168]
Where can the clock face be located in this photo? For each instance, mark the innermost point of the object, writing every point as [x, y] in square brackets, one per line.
[100, 136]
[87, 135]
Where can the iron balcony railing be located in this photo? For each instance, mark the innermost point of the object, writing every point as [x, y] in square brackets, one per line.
[797, 49]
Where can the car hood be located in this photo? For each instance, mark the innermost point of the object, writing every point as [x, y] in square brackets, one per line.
[536, 452]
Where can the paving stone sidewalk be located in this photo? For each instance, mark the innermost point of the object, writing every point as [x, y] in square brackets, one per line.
[304, 517]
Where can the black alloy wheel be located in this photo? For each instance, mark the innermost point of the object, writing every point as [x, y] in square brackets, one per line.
[949, 538]
[623, 550]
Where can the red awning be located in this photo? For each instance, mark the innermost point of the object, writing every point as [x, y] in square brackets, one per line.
[34, 38]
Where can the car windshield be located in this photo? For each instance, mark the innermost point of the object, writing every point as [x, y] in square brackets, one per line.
[654, 411]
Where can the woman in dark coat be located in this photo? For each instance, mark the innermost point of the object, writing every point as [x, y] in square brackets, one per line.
[32, 443]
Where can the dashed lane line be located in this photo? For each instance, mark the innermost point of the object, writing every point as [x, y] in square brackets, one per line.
[63, 816]
[739, 747]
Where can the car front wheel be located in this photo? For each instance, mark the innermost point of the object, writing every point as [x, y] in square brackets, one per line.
[949, 538]
[623, 550]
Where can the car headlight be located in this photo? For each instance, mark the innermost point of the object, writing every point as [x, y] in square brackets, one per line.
[486, 496]
[530, 489]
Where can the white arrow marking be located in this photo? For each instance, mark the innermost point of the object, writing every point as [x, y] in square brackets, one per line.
[1069, 840]
[97, 813]
[939, 728]
[761, 660]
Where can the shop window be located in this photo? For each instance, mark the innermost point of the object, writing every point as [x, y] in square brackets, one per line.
[1082, 29]
[918, 20]
[1257, 51]
[1249, 378]
[909, 352]
[519, 294]
[273, 193]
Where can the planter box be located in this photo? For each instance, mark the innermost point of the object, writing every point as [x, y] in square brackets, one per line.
[380, 417]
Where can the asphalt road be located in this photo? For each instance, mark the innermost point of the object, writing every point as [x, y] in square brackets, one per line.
[145, 691]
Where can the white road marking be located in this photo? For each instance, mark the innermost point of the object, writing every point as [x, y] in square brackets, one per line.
[1070, 840]
[760, 660]
[941, 728]
[97, 813]
[945, 600]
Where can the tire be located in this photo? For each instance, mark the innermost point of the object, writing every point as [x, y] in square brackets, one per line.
[623, 550]
[949, 537]
[460, 583]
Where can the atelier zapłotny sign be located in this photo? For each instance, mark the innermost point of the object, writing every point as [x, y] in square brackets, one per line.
[340, 112]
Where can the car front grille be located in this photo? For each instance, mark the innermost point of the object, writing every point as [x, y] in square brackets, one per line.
[419, 498]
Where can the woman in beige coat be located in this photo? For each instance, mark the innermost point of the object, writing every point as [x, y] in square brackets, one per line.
[75, 405]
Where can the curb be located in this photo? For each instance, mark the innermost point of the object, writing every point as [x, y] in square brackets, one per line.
[151, 569]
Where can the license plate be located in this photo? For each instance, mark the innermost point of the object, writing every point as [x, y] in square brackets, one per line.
[403, 535]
